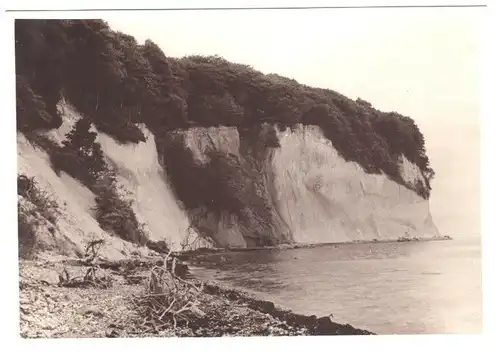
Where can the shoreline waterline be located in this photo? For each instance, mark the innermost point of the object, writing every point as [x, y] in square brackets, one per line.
[186, 255]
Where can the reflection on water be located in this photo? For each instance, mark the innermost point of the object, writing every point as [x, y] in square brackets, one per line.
[412, 287]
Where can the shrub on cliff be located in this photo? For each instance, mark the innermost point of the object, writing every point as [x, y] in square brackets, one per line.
[220, 184]
[236, 189]
[35, 208]
[26, 229]
[31, 191]
[258, 138]
[83, 141]
[227, 182]
[81, 156]
[113, 213]
[189, 179]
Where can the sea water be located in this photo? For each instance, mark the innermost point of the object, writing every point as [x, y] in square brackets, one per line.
[387, 288]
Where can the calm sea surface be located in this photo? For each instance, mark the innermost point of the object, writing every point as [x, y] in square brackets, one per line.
[387, 288]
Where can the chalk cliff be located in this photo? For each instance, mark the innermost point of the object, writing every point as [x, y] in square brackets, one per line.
[202, 152]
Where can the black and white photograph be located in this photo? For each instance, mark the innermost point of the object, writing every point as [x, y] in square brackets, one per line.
[247, 171]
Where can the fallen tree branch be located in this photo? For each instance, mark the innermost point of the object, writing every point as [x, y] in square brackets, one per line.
[168, 300]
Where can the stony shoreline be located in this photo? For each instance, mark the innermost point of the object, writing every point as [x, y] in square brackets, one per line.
[49, 308]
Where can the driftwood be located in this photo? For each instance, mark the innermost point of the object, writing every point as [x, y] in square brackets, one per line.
[95, 263]
[90, 278]
[168, 299]
[129, 265]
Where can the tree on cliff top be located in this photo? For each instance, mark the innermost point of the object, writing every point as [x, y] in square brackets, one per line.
[116, 82]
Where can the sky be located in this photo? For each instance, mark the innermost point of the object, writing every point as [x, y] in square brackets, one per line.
[423, 63]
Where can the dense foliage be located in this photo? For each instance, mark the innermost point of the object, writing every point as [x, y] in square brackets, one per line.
[81, 156]
[117, 82]
[115, 213]
[30, 108]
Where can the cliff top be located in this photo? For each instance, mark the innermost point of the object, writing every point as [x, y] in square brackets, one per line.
[117, 82]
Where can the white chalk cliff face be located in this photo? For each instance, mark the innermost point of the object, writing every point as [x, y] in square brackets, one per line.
[325, 199]
[315, 196]
[318, 197]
